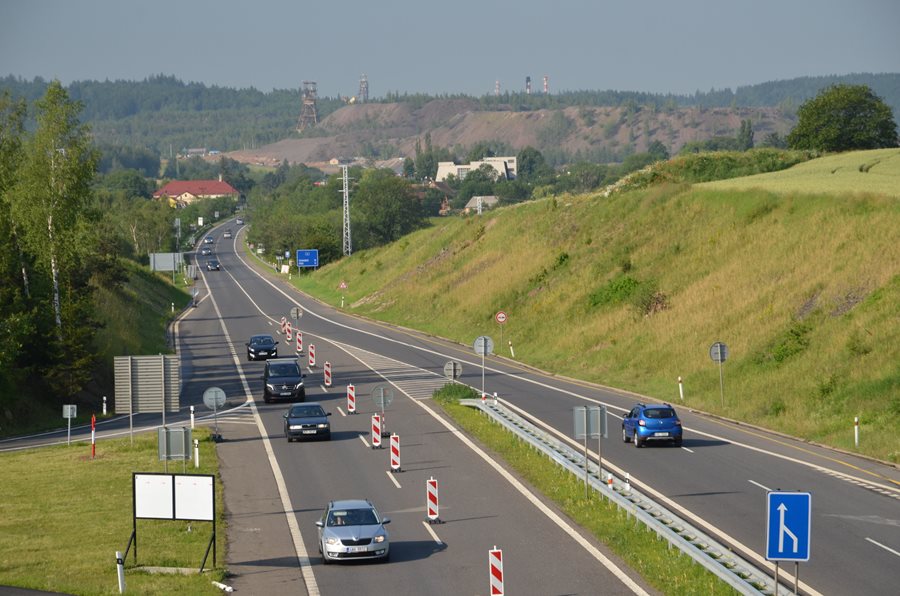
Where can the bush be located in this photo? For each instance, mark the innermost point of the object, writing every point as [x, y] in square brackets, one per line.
[616, 291]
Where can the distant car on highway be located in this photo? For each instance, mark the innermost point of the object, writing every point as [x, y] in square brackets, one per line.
[657, 422]
[262, 347]
[239, 221]
[307, 421]
[212, 265]
[209, 240]
[283, 379]
[226, 234]
[352, 529]
[205, 251]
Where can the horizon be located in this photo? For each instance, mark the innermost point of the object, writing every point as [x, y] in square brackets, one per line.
[658, 48]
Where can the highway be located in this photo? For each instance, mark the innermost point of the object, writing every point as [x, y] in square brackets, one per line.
[718, 479]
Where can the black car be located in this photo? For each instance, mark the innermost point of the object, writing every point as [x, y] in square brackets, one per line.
[307, 421]
[205, 251]
[212, 265]
[262, 347]
[283, 379]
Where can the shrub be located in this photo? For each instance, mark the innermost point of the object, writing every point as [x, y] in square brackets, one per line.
[616, 291]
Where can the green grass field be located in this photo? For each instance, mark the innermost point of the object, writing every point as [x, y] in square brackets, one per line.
[876, 171]
[64, 516]
[632, 290]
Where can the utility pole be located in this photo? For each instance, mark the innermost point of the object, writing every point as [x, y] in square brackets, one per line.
[348, 245]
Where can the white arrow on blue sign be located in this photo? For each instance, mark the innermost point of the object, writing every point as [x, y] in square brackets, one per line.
[788, 522]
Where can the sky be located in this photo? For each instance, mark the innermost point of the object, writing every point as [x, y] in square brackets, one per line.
[453, 46]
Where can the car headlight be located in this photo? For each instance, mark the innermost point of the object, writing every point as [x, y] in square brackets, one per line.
[296, 427]
[378, 539]
[270, 387]
[322, 425]
[332, 540]
[298, 385]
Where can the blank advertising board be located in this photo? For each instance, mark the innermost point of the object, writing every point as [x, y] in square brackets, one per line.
[188, 497]
[194, 498]
[153, 496]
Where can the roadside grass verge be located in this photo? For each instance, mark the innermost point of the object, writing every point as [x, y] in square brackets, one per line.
[64, 516]
[666, 569]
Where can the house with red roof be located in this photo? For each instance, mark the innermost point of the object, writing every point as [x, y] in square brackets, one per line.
[185, 192]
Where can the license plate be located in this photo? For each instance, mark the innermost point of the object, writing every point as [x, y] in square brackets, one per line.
[263, 353]
[356, 549]
[309, 432]
[660, 434]
[283, 393]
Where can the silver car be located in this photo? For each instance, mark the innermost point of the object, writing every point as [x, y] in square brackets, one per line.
[352, 529]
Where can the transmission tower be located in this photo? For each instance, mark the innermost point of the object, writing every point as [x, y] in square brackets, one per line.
[309, 116]
[363, 94]
[348, 245]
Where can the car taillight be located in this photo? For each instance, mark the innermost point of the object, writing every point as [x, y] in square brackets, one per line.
[678, 423]
[642, 423]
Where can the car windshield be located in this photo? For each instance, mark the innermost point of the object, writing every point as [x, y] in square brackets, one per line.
[287, 369]
[306, 411]
[352, 517]
[261, 339]
[659, 413]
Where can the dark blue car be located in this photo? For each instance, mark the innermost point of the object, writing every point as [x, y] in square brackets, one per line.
[656, 422]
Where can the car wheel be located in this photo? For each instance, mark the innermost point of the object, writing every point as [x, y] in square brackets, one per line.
[624, 435]
[325, 559]
[677, 442]
[386, 558]
[637, 441]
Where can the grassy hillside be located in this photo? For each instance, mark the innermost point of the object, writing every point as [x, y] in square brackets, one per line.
[875, 171]
[630, 291]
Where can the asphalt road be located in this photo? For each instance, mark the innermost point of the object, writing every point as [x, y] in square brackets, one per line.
[719, 478]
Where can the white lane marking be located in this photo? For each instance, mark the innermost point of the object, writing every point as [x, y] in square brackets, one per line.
[309, 577]
[341, 411]
[432, 532]
[765, 488]
[324, 388]
[688, 450]
[365, 442]
[887, 548]
[393, 478]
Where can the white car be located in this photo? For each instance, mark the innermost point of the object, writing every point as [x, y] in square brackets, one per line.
[227, 234]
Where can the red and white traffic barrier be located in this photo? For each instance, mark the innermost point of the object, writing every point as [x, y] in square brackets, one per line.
[283, 324]
[395, 453]
[299, 342]
[289, 333]
[431, 501]
[351, 399]
[93, 436]
[376, 431]
[312, 356]
[327, 374]
[495, 567]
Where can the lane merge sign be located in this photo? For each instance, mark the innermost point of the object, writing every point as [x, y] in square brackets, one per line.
[788, 522]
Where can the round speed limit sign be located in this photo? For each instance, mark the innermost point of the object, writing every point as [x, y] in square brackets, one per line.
[501, 317]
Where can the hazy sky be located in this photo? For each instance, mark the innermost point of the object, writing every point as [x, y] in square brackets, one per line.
[454, 46]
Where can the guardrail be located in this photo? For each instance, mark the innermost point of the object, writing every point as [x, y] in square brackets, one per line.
[714, 556]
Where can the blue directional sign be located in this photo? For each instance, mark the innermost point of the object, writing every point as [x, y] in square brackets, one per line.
[788, 522]
[308, 258]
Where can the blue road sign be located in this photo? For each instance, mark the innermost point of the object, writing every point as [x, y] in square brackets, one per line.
[308, 258]
[788, 521]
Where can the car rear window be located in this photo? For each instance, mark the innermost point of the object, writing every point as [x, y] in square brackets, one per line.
[659, 413]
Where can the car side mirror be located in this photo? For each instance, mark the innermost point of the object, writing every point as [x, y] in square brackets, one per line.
[285, 415]
[320, 523]
[328, 413]
[385, 521]
[276, 343]
[247, 344]
[302, 375]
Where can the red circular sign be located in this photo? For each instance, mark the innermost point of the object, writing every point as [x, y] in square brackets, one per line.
[501, 317]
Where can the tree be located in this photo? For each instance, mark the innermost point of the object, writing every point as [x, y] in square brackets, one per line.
[745, 136]
[531, 164]
[658, 151]
[384, 209]
[54, 188]
[844, 118]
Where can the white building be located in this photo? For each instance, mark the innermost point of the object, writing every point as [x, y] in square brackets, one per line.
[504, 166]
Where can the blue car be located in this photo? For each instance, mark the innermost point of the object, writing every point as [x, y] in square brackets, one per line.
[656, 422]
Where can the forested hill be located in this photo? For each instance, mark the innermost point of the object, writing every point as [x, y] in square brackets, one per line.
[165, 114]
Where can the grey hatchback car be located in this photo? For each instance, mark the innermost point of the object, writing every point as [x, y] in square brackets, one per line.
[352, 529]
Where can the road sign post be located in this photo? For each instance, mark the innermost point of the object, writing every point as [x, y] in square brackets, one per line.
[214, 398]
[501, 318]
[719, 353]
[483, 346]
[788, 525]
[69, 411]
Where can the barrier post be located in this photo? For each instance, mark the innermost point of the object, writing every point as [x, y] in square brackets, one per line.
[395, 453]
[327, 374]
[312, 356]
[431, 499]
[289, 332]
[104, 405]
[299, 342]
[351, 399]
[93, 436]
[495, 568]
[856, 431]
[680, 389]
[192, 416]
[196, 453]
[376, 431]
[283, 324]
[120, 571]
